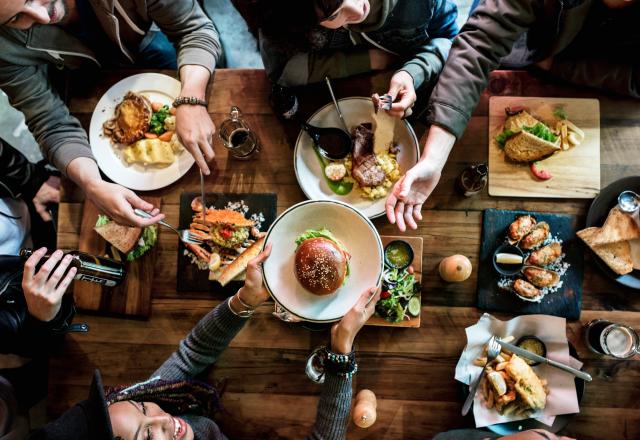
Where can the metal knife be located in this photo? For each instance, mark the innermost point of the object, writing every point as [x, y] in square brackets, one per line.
[543, 360]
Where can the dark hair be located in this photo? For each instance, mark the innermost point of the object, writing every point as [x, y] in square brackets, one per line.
[287, 17]
[175, 397]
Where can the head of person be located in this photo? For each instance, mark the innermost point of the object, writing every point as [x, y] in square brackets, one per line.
[21, 14]
[155, 409]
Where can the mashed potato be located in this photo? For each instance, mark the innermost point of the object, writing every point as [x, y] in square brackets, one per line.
[387, 161]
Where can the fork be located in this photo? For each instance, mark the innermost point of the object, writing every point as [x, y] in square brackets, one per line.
[385, 102]
[493, 350]
[185, 235]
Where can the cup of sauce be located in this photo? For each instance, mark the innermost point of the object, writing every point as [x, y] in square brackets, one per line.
[398, 255]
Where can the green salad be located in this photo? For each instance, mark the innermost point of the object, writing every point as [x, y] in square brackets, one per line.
[542, 131]
[156, 125]
[400, 296]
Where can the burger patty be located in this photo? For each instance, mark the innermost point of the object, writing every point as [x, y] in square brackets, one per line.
[320, 266]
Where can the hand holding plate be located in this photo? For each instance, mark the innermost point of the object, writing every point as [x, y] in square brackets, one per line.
[344, 332]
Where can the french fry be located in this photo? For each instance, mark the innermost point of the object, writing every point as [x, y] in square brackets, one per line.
[508, 338]
[490, 399]
[480, 362]
[564, 135]
[506, 356]
[499, 359]
[501, 366]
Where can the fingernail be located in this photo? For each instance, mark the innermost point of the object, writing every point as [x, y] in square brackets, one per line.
[58, 253]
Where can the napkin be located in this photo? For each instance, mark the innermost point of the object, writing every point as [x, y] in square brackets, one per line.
[562, 397]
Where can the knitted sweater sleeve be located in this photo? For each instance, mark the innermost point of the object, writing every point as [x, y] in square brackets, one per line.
[332, 417]
[203, 345]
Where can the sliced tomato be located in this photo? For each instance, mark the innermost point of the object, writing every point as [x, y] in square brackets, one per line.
[384, 295]
[226, 233]
[540, 174]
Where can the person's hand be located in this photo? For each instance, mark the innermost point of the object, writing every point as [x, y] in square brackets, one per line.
[253, 293]
[344, 332]
[402, 93]
[49, 193]
[404, 204]
[535, 434]
[118, 203]
[196, 129]
[43, 290]
[381, 59]
[545, 64]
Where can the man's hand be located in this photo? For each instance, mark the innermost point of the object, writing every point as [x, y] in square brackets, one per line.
[253, 292]
[402, 93]
[43, 290]
[344, 332]
[404, 204]
[118, 203]
[49, 193]
[193, 123]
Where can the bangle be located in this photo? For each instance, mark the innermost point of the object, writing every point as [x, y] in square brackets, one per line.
[244, 304]
[343, 365]
[191, 100]
[241, 313]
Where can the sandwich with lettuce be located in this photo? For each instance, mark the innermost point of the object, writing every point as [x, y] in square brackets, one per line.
[131, 242]
[527, 139]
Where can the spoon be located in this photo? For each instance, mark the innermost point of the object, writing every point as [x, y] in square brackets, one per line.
[332, 143]
[335, 104]
[628, 201]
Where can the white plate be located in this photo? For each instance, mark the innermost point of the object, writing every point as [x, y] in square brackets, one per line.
[349, 226]
[156, 87]
[309, 173]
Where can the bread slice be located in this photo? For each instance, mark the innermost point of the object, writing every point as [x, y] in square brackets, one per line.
[526, 147]
[618, 226]
[516, 122]
[239, 265]
[634, 245]
[615, 255]
[123, 238]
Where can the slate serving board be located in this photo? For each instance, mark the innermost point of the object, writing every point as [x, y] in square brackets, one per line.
[190, 278]
[565, 302]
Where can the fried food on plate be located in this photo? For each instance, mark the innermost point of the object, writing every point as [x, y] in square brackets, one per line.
[131, 121]
[527, 139]
[522, 225]
[526, 289]
[545, 255]
[235, 269]
[541, 277]
[536, 237]
[527, 383]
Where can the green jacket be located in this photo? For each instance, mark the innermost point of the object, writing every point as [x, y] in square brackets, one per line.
[419, 32]
[27, 56]
[490, 33]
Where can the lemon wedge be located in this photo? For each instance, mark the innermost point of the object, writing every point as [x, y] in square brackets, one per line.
[508, 258]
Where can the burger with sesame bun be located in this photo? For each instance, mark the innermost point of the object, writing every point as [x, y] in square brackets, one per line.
[321, 262]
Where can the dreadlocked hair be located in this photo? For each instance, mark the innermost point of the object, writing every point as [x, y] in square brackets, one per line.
[175, 397]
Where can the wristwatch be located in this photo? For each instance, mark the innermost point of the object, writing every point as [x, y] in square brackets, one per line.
[191, 100]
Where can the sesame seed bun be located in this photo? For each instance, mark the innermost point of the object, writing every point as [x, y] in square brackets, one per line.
[320, 266]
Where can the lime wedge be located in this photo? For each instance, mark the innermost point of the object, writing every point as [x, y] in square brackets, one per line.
[508, 258]
[414, 306]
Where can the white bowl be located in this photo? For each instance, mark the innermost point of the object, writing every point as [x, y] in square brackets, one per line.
[349, 226]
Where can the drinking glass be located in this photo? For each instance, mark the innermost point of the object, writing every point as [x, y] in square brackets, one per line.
[237, 136]
[608, 338]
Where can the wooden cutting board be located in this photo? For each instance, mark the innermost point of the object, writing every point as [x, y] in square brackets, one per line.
[416, 245]
[576, 172]
[133, 296]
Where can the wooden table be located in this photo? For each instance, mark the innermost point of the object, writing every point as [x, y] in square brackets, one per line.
[411, 370]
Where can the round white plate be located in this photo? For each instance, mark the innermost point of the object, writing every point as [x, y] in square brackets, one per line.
[349, 226]
[309, 173]
[156, 87]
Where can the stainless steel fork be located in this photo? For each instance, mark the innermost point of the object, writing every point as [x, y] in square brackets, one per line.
[493, 350]
[186, 236]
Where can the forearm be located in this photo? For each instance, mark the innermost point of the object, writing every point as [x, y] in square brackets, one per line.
[85, 173]
[600, 73]
[18, 176]
[332, 417]
[194, 80]
[437, 147]
[204, 344]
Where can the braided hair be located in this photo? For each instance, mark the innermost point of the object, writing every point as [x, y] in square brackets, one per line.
[174, 397]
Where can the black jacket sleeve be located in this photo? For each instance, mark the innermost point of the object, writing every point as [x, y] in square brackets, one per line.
[19, 178]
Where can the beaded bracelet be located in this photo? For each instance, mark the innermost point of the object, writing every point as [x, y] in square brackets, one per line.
[343, 365]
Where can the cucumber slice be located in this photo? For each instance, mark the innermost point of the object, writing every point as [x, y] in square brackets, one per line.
[414, 306]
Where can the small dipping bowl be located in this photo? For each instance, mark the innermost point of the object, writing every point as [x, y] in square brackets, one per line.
[534, 345]
[507, 269]
[398, 255]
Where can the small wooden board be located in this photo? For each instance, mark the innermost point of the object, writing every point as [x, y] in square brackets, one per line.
[133, 296]
[576, 171]
[565, 302]
[416, 245]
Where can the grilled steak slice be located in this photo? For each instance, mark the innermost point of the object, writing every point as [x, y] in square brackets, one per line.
[365, 169]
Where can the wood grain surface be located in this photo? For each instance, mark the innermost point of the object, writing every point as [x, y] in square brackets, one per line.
[268, 395]
[416, 246]
[133, 296]
[576, 171]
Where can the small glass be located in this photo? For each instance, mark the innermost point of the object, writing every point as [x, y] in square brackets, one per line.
[616, 340]
[472, 180]
[237, 136]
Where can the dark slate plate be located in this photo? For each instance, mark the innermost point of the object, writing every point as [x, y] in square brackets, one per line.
[566, 302]
[598, 213]
[190, 278]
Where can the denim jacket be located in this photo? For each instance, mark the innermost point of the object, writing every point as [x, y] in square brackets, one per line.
[419, 32]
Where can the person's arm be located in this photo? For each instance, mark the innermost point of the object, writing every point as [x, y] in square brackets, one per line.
[198, 49]
[488, 35]
[429, 59]
[332, 417]
[19, 178]
[213, 333]
[599, 73]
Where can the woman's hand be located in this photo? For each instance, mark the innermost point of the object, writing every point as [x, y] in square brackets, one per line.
[43, 290]
[49, 193]
[400, 89]
[118, 203]
[253, 292]
[344, 332]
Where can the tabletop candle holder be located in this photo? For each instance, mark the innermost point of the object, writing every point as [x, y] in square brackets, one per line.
[237, 136]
